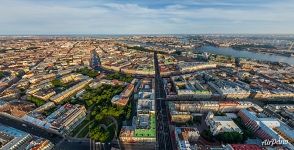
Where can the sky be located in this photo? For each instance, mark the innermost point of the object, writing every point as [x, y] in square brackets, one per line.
[31, 17]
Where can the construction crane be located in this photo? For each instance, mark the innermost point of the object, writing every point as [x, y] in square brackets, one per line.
[291, 46]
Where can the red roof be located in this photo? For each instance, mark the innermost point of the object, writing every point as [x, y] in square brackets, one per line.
[245, 147]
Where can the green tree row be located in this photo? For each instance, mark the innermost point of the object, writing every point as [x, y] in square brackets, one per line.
[120, 77]
[138, 48]
[88, 72]
[247, 133]
[38, 102]
[230, 137]
[57, 83]
[225, 137]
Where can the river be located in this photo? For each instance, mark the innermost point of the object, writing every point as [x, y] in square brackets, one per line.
[247, 54]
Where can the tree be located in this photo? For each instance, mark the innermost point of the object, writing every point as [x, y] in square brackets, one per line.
[118, 76]
[89, 103]
[57, 83]
[230, 137]
[178, 52]
[128, 112]
[99, 101]
[99, 134]
[22, 91]
[99, 117]
[138, 48]
[93, 113]
[219, 114]
[88, 72]
[197, 120]
[207, 135]
[1, 74]
[38, 102]
[247, 133]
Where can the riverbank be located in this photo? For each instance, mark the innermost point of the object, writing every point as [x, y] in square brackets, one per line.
[247, 54]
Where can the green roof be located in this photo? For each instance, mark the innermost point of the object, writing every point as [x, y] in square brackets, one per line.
[151, 132]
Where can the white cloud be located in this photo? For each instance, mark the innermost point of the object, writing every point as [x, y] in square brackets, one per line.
[111, 17]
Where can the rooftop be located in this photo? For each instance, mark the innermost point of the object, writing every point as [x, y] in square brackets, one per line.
[147, 132]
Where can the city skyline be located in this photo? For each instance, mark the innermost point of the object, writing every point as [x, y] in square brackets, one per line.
[174, 92]
[31, 17]
[146, 75]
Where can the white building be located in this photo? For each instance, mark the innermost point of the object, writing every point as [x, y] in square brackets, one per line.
[220, 124]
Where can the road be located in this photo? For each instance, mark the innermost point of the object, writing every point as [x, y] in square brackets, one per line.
[19, 124]
[162, 125]
[60, 142]
[85, 126]
[82, 144]
[137, 146]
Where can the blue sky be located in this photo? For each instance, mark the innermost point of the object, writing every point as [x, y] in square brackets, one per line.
[146, 16]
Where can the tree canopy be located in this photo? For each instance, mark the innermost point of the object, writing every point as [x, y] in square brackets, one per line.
[98, 101]
[38, 102]
[57, 83]
[230, 137]
[120, 77]
[88, 72]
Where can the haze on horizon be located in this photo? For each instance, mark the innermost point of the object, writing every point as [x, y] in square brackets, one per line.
[20, 17]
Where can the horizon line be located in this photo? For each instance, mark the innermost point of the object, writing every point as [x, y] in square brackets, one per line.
[112, 34]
